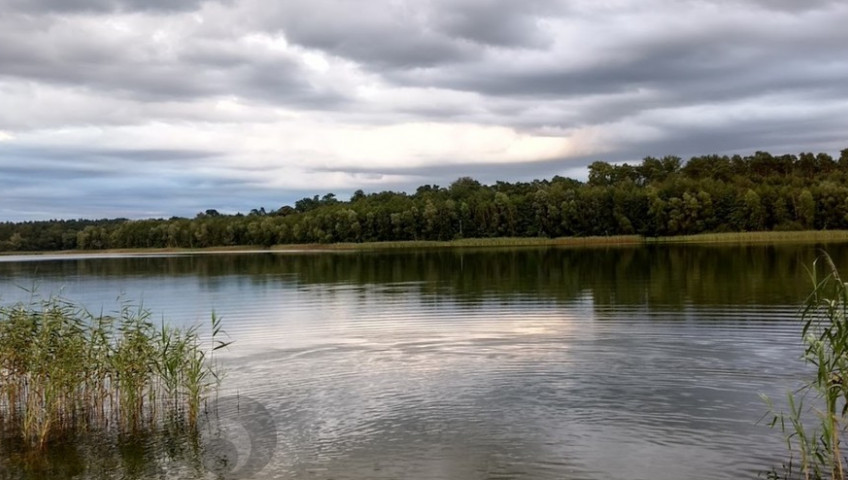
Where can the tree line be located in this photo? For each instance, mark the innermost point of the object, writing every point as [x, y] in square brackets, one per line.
[658, 197]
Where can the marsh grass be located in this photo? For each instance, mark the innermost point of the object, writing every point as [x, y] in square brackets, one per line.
[815, 447]
[64, 371]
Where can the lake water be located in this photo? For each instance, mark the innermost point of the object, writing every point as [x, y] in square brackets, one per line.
[592, 363]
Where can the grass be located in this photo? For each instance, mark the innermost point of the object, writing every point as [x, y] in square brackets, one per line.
[815, 451]
[64, 371]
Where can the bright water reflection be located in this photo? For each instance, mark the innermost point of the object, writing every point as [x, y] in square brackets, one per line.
[535, 363]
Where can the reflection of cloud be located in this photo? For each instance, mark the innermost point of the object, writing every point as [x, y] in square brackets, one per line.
[366, 318]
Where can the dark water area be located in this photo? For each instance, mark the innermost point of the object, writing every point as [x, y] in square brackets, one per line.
[593, 363]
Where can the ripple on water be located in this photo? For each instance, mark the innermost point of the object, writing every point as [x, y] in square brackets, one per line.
[542, 394]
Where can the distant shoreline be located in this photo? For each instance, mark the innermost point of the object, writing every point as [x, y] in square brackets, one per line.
[801, 237]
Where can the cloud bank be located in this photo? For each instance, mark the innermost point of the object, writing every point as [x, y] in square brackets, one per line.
[152, 108]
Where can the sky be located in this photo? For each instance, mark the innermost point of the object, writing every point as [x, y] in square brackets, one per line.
[160, 108]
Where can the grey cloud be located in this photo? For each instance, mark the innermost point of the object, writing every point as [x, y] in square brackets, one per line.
[666, 61]
[22, 170]
[410, 35]
[153, 154]
[681, 68]
[776, 135]
[100, 6]
[60, 164]
[376, 34]
[501, 23]
[132, 68]
[794, 6]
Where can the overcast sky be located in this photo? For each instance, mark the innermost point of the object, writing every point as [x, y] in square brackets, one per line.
[154, 108]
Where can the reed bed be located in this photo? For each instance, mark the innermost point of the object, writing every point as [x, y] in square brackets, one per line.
[471, 243]
[808, 236]
[64, 371]
[815, 427]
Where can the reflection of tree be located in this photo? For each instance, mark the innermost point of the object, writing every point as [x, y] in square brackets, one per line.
[651, 275]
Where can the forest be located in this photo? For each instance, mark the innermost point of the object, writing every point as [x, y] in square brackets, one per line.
[658, 197]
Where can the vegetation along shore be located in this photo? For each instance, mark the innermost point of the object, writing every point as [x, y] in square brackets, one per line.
[65, 371]
[771, 237]
[656, 199]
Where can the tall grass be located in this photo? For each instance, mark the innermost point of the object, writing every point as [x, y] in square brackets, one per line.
[64, 370]
[815, 447]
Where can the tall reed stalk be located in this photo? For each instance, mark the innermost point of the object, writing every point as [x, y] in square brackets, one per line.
[64, 370]
[816, 450]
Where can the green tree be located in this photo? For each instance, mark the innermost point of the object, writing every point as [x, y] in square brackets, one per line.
[805, 212]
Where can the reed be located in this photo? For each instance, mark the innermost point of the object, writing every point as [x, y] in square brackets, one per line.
[743, 238]
[64, 370]
[808, 236]
[471, 243]
[815, 448]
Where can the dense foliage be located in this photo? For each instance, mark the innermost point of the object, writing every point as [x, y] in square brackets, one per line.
[659, 197]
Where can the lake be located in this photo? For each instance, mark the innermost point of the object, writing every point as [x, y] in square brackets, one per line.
[542, 363]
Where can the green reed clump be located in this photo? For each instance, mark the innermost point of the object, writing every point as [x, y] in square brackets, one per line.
[816, 450]
[64, 370]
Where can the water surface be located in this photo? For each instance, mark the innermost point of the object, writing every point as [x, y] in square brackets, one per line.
[545, 363]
